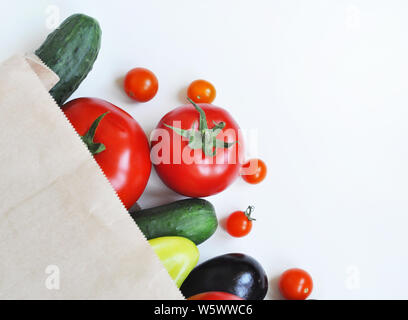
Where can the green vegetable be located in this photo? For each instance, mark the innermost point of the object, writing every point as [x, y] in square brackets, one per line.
[194, 219]
[178, 255]
[70, 51]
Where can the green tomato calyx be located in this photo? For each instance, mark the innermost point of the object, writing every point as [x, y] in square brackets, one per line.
[204, 138]
[88, 138]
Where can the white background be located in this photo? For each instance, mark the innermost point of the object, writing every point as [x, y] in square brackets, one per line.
[326, 85]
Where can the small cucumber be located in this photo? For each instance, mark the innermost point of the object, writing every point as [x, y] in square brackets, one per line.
[194, 219]
[70, 51]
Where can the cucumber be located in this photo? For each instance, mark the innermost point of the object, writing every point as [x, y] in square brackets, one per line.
[70, 51]
[194, 219]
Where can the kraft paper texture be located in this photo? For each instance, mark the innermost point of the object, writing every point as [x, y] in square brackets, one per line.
[64, 234]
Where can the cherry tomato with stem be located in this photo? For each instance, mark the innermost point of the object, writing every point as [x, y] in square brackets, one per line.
[254, 171]
[239, 223]
[295, 284]
[201, 91]
[141, 84]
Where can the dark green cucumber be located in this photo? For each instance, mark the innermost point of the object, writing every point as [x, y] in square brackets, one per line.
[194, 219]
[70, 51]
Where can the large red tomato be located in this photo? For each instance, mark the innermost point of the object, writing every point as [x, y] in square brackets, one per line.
[124, 156]
[196, 149]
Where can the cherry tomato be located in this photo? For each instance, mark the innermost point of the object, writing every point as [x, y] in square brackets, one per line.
[141, 84]
[188, 166]
[239, 223]
[201, 91]
[254, 171]
[295, 284]
[125, 159]
[214, 295]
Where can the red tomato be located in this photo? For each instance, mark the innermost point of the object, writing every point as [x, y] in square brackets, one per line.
[141, 84]
[239, 223]
[215, 295]
[126, 159]
[197, 172]
[254, 171]
[295, 284]
[201, 91]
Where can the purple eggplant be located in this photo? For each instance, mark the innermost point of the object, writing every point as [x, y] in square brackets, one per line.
[234, 273]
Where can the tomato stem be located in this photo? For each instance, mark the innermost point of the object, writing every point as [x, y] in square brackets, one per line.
[203, 119]
[88, 137]
[204, 138]
[248, 213]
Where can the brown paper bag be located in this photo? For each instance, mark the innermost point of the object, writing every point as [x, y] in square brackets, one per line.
[64, 233]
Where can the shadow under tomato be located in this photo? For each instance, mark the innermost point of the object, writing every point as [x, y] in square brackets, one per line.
[273, 292]
[157, 193]
[182, 95]
[119, 84]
